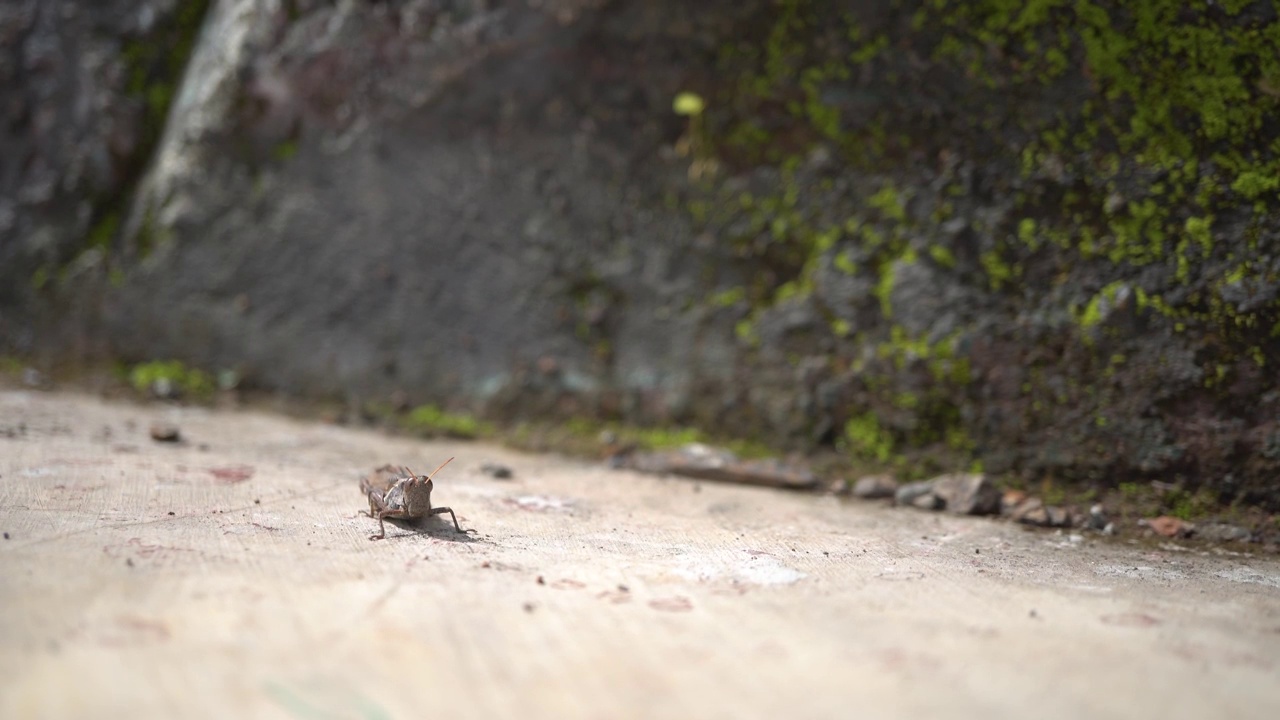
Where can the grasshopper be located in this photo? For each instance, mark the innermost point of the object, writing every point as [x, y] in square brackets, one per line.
[399, 494]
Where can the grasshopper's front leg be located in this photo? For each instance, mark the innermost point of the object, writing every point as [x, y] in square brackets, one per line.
[443, 510]
[377, 508]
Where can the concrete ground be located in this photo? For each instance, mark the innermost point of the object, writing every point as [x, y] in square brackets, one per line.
[231, 576]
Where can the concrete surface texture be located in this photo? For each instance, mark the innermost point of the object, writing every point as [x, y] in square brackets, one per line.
[230, 575]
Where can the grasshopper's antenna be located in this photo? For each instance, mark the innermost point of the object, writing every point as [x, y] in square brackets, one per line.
[433, 472]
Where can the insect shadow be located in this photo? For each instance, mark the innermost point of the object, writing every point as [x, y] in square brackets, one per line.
[432, 527]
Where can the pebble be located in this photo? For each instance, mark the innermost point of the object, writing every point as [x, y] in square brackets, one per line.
[164, 432]
[497, 471]
[1223, 532]
[874, 487]
[1097, 519]
[968, 494]
[1011, 500]
[1169, 527]
[907, 494]
[1033, 511]
[929, 501]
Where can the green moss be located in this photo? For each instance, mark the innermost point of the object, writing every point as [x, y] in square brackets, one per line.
[664, 438]
[890, 203]
[1172, 129]
[189, 382]
[943, 256]
[887, 279]
[1051, 493]
[1189, 506]
[588, 434]
[999, 272]
[286, 150]
[431, 420]
[1255, 183]
[867, 439]
[728, 298]
[11, 366]
[1092, 314]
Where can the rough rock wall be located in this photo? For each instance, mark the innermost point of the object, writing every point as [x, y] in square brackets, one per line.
[1043, 234]
[85, 88]
[467, 202]
[1040, 238]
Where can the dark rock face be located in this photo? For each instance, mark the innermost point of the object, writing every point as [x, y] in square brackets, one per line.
[466, 204]
[84, 87]
[896, 228]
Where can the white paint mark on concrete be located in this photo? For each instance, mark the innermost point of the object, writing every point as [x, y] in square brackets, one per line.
[1139, 572]
[755, 570]
[1246, 574]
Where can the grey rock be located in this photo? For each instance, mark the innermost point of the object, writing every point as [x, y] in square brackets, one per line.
[1010, 501]
[497, 471]
[1033, 511]
[1097, 519]
[924, 303]
[968, 494]
[928, 501]
[907, 494]
[1222, 532]
[166, 432]
[874, 487]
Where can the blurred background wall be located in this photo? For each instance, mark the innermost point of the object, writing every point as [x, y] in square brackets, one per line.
[1041, 237]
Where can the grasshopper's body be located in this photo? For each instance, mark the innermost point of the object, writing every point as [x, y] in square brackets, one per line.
[399, 494]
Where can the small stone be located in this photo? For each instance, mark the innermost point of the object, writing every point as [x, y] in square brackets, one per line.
[907, 494]
[1059, 516]
[1033, 511]
[1097, 519]
[497, 471]
[929, 501]
[164, 388]
[1223, 532]
[875, 487]
[1169, 527]
[1011, 500]
[164, 432]
[968, 494]
[1027, 510]
[6, 536]
[32, 377]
